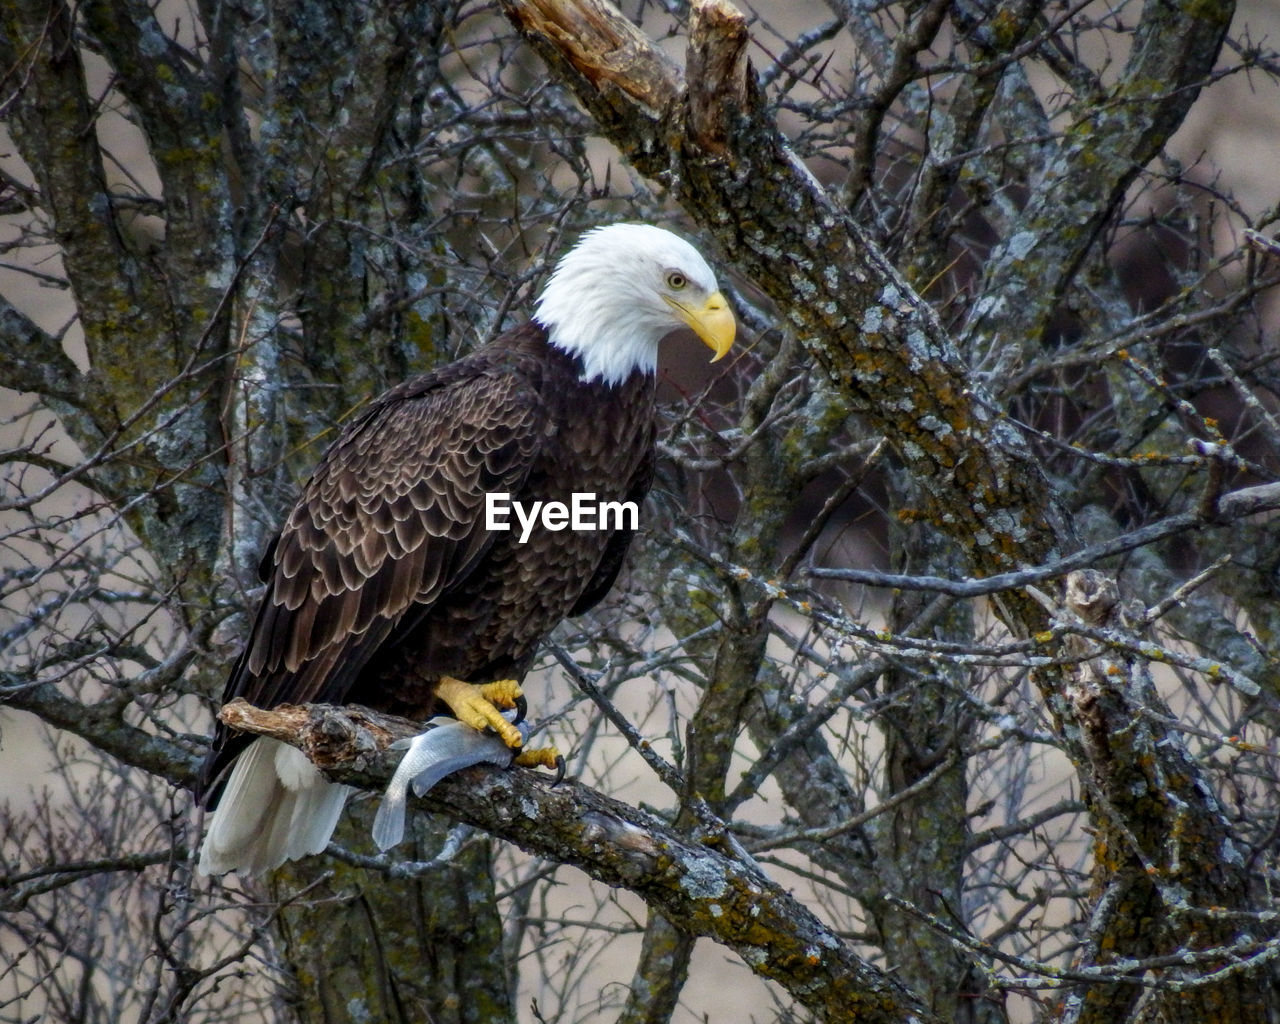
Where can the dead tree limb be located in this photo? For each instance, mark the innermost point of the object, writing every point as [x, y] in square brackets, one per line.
[704, 883]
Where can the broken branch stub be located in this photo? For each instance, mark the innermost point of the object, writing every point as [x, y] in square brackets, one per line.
[332, 737]
[718, 74]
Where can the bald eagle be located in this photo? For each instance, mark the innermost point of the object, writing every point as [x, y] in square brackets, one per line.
[386, 587]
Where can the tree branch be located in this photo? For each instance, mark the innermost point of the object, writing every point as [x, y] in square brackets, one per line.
[1113, 134]
[104, 726]
[52, 375]
[1164, 849]
[702, 885]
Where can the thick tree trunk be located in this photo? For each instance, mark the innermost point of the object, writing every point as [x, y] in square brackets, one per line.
[923, 843]
[396, 950]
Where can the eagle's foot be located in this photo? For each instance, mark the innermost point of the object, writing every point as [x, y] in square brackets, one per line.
[478, 706]
[543, 757]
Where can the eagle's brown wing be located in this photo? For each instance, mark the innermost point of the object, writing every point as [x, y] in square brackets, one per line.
[393, 514]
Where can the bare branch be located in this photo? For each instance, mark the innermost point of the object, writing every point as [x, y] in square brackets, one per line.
[699, 885]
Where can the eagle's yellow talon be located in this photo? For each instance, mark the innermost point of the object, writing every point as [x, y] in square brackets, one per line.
[504, 693]
[477, 706]
[543, 757]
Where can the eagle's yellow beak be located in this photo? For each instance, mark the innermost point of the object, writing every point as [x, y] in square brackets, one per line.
[712, 322]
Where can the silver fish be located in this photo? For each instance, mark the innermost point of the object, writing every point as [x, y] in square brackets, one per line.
[445, 747]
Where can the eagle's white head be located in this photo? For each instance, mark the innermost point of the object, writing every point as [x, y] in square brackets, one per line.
[621, 290]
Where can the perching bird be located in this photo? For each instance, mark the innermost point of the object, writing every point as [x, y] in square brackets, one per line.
[385, 586]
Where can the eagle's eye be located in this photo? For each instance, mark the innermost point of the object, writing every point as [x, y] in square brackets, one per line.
[676, 280]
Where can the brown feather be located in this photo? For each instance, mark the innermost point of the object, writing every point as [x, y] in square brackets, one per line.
[384, 577]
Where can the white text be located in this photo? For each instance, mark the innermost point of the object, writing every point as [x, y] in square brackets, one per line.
[582, 513]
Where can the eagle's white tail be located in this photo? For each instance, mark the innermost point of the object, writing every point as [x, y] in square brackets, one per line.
[276, 807]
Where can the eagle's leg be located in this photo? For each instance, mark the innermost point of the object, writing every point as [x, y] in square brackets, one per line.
[478, 706]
